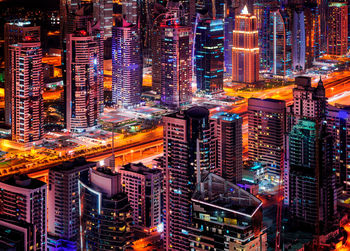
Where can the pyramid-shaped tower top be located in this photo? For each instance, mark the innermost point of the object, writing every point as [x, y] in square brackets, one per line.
[245, 10]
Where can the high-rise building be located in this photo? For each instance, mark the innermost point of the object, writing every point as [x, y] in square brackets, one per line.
[187, 148]
[24, 199]
[225, 217]
[280, 57]
[63, 200]
[337, 28]
[312, 33]
[15, 33]
[156, 58]
[131, 11]
[16, 234]
[106, 215]
[143, 186]
[309, 102]
[126, 66]
[83, 81]
[176, 64]
[245, 50]
[338, 125]
[299, 40]
[25, 62]
[311, 181]
[209, 53]
[229, 23]
[103, 13]
[266, 129]
[228, 131]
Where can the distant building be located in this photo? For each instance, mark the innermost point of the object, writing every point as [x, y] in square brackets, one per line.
[245, 50]
[83, 83]
[143, 186]
[25, 62]
[225, 217]
[209, 53]
[24, 199]
[106, 215]
[176, 64]
[228, 131]
[16, 234]
[15, 33]
[337, 28]
[103, 13]
[126, 66]
[266, 129]
[299, 40]
[187, 149]
[63, 201]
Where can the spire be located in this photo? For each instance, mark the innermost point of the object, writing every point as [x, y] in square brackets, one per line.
[320, 83]
[245, 10]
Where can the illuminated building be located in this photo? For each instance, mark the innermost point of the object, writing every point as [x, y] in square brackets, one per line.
[106, 215]
[245, 50]
[143, 186]
[312, 34]
[225, 217]
[24, 199]
[187, 145]
[337, 28]
[156, 59]
[312, 193]
[176, 64]
[131, 11]
[298, 40]
[279, 48]
[309, 102]
[229, 23]
[83, 81]
[103, 13]
[16, 234]
[14, 33]
[338, 125]
[228, 130]
[209, 53]
[25, 62]
[63, 202]
[266, 128]
[127, 66]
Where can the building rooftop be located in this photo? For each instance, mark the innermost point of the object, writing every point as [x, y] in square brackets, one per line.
[23, 181]
[227, 116]
[70, 166]
[139, 168]
[218, 192]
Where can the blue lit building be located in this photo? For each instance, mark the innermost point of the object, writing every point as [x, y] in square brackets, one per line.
[229, 26]
[209, 53]
[299, 40]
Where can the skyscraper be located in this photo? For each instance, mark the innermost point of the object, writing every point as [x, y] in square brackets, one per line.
[209, 53]
[337, 28]
[143, 186]
[228, 131]
[106, 215]
[25, 199]
[229, 23]
[83, 81]
[225, 217]
[312, 193]
[187, 148]
[245, 50]
[103, 13]
[266, 123]
[176, 64]
[127, 66]
[299, 40]
[63, 200]
[27, 89]
[338, 125]
[309, 102]
[14, 33]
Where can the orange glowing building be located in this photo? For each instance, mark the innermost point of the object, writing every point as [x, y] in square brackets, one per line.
[337, 28]
[245, 50]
